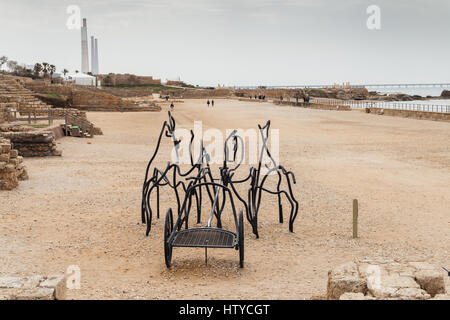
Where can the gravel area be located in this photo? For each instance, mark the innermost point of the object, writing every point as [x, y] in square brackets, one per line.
[84, 208]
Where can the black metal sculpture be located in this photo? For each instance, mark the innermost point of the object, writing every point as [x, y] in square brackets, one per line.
[192, 184]
[160, 178]
[257, 185]
[448, 271]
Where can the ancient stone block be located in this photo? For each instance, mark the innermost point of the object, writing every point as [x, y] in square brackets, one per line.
[13, 154]
[4, 157]
[411, 294]
[355, 296]
[35, 294]
[344, 278]
[33, 288]
[441, 297]
[386, 279]
[5, 147]
[432, 281]
[57, 282]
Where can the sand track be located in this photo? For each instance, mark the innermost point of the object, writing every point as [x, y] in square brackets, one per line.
[83, 209]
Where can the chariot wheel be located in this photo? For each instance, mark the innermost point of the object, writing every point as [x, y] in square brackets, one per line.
[168, 228]
[241, 239]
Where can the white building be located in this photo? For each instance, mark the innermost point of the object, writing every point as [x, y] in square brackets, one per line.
[81, 79]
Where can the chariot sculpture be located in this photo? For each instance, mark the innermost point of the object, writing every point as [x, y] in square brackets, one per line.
[220, 189]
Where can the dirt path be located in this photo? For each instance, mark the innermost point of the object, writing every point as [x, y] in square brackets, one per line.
[83, 208]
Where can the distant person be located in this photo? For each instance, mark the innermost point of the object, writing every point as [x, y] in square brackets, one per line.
[208, 103]
[255, 96]
[172, 106]
[167, 98]
[212, 103]
[307, 99]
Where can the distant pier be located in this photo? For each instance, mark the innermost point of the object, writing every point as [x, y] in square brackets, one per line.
[379, 85]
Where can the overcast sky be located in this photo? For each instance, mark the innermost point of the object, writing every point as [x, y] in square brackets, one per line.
[239, 42]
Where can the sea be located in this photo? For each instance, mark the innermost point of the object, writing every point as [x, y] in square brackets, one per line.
[436, 105]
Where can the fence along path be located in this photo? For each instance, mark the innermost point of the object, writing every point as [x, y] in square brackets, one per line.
[361, 104]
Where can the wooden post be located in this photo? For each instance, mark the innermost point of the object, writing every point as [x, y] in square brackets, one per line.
[50, 117]
[355, 218]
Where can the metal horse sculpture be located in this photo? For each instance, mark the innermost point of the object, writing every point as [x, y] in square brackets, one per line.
[160, 178]
[200, 174]
[257, 185]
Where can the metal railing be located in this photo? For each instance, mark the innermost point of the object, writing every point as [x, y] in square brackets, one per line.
[34, 115]
[84, 127]
[361, 104]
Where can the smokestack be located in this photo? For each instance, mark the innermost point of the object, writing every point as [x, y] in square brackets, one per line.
[96, 70]
[84, 48]
[92, 55]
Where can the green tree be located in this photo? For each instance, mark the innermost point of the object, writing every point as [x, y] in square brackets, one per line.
[12, 65]
[51, 70]
[3, 60]
[37, 69]
[45, 70]
[65, 71]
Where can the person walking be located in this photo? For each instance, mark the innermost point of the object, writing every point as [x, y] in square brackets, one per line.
[208, 103]
[172, 106]
[212, 103]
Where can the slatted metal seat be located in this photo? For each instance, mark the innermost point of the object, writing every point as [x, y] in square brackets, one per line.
[205, 238]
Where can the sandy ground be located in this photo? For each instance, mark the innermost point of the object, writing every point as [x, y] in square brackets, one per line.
[84, 208]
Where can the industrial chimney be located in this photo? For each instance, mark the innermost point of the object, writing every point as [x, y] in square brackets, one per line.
[84, 48]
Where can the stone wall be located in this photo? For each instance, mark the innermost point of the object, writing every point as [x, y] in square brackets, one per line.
[11, 167]
[15, 128]
[60, 113]
[33, 288]
[33, 144]
[13, 91]
[269, 93]
[3, 113]
[422, 115]
[126, 79]
[384, 279]
[91, 99]
[197, 93]
[343, 94]
[41, 87]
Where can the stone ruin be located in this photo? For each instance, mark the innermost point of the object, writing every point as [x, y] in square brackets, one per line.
[33, 143]
[90, 98]
[383, 279]
[33, 288]
[11, 167]
[14, 95]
